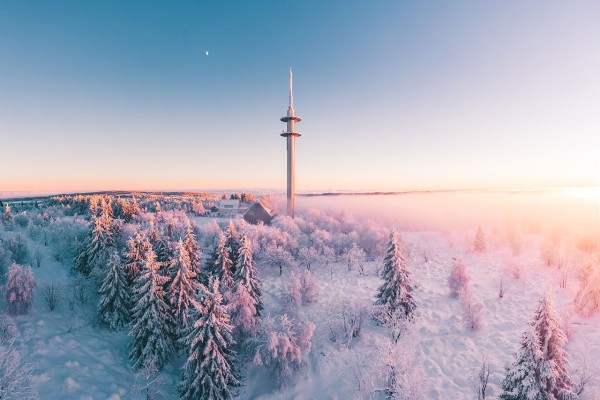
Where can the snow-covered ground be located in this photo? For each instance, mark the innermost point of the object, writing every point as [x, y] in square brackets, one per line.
[75, 358]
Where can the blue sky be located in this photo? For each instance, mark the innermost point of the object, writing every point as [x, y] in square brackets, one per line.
[393, 95]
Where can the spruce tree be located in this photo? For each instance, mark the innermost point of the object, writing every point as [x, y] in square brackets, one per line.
[209, 370]
[222, 267]
[246, 273]
[395, 292]
[540, 373]
[184, 286]
[232, 242]
[135, 256]
[96, 246]
[555, 379]
[521, 381]
[152, 324]
[193, 249]
[114, 302]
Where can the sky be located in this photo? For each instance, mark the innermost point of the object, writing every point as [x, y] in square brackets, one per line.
[393, 95]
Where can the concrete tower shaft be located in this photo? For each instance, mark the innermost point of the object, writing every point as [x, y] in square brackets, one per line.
[291, 136]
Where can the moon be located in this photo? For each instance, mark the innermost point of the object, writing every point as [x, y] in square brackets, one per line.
[206, 53]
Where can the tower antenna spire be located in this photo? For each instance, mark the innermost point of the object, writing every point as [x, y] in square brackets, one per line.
[291, 95]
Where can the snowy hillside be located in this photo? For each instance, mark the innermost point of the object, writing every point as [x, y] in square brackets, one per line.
[75, 355]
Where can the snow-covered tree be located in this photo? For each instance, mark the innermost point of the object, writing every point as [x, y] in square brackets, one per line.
[479, 243]
[193, 248]
[232, 242]
[354, 255]
[282, 346]
[246, 272]
[222, 265]
[587, 300]
[136, 254]
[242, 308]
[18, 291]
[97, 244]
[184, 286]
[540, 369]
[555, 379]
[209, 370]
[459, 279]
[522, 377]
[15, 378]
[308, 287]
[152, 324]
[395, 292]
[308, 256]
[114, 302]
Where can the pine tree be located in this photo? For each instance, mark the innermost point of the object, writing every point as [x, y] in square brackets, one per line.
[209, 370]
[152, 326]
[396, 290]
[114, 296]
[232, 242]
[521, 381]
[184, 286]
[222, 267]
[555, 380]
[246, 272]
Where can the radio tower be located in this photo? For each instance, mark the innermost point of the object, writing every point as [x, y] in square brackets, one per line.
[291, 136]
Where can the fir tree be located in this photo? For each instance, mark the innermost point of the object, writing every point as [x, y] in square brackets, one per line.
[135, 256]
[246, 273]
[555, 380]
[395, 293]
[94, 252]
[184, 286]
[232, 242]
[522, 381]
[479, 244]
[193, 249]
[222, 267]
[152, 326]
[114, 296]
[540, 373]
[209, 371]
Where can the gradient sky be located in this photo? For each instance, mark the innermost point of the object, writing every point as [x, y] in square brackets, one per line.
[393, 95]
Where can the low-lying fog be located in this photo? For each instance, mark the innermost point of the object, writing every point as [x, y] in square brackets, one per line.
[565, 210]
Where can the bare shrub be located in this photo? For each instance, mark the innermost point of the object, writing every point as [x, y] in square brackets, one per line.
[282, 346]
[458, 279]
[515, 270]
[563, 280]
[472, 312]
[8, 329]
[480, 384]
[501, 291]
[308, 287]
[292, 297]
[37, 257]
[587, 301]
[397, 325]
[353, 316]
[149, 380]
[52, 295]
[583, 377]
